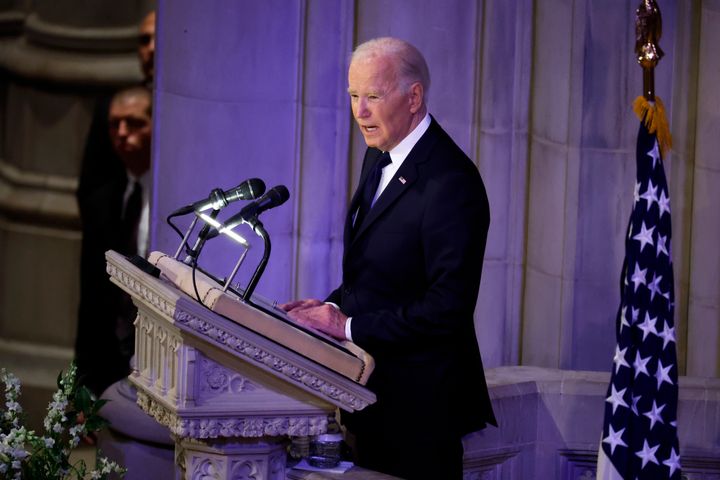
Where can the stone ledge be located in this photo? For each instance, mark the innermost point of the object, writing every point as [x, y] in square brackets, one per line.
[550, 423]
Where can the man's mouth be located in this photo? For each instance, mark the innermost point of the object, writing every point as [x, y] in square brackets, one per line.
[369, 128]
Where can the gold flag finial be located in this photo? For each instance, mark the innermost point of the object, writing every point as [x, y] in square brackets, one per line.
[650, 110]
[648, 30]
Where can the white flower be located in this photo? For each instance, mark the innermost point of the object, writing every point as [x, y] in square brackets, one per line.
[20, 453]
[18, 444]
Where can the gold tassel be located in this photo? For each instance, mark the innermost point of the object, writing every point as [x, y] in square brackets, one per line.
[653, 116]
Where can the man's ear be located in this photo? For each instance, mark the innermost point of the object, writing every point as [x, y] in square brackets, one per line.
[416, 97]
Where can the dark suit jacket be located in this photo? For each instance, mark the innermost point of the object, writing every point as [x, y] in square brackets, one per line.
[411, 276]
[103, 344]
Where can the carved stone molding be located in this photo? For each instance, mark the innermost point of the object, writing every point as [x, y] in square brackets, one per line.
[245, 469]
[258, 354]
[206, 468]
[227, 427]
[138, 288]
[578, 464]
[491, 467]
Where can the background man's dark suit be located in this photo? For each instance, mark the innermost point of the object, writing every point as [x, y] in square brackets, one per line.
[411, 275]
[104, 337]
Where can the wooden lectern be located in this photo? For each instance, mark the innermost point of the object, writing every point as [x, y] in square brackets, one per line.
[231, 394]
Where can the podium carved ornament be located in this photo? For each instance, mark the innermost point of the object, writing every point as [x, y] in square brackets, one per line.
[243, 470]
[218, 380]
[207, 469]
[245, 427]
[141, 290]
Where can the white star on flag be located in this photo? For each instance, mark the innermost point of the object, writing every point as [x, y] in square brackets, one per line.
[661, 246]
[654, 285]
[623, 319]
[620, 358]
[655, 154]
[673, 463]
[647, 454]
[635, 400]
[668, 334]
[650, 194]
[638, 276]
[654, 414]
[640, 364]
[661, 374]
[636, 193]
[614, 439]
[645, 236]
[663, 203]
[648, 326]
[616, 398]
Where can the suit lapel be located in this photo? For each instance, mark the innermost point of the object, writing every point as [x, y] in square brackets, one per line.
[347, 234]
[399, 184]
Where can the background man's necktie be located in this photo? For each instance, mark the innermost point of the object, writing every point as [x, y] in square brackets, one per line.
[369, 189]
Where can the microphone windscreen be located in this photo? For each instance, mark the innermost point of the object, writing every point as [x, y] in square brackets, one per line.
[251, 189]
[279, 195]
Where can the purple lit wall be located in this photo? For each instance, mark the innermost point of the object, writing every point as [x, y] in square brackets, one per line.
[228, 101]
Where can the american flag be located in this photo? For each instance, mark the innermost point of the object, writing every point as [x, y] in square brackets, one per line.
[639, 439]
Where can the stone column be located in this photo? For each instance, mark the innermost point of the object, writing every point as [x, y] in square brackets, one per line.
[703, 327]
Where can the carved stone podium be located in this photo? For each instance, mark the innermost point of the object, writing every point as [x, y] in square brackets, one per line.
[229, 395]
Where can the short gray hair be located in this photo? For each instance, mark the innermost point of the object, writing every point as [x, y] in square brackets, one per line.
[129, 93]
[410, 64]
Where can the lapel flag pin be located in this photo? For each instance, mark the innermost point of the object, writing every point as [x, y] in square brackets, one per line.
[402, 180]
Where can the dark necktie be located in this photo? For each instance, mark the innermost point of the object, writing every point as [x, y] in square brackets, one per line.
[369, 188]
[131, 219]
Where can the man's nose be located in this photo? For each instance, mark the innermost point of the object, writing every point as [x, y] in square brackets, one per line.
[123, 128]
[362, 110]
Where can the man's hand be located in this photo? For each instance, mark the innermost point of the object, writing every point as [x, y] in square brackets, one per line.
[319, 315]
[300, 304]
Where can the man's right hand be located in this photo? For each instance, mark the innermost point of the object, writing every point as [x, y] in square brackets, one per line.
[301, 304]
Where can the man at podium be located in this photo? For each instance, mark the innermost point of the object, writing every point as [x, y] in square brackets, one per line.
[414, 242]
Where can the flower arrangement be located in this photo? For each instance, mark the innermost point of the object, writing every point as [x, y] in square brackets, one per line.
[72, 415]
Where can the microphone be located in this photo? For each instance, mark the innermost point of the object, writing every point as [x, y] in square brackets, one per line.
[274, 197]
[247, 190]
